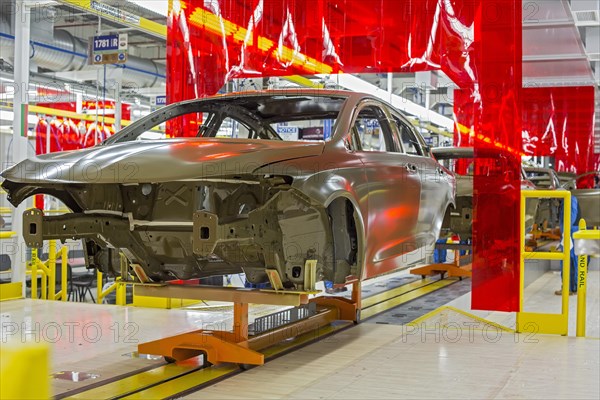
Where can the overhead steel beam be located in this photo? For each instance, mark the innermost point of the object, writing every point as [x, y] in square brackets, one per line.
[120, 16]
[20, 128]
[554, 57]
[549, 23]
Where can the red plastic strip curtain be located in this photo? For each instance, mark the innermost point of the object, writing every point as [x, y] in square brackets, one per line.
[211, 42]
[496, 235]
[62, 134]
[476, 43]
[559, 122]
[74, 134]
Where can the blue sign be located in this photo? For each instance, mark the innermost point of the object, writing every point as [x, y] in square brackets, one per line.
[326, 129]
[106, 43]
[161, 100]
[287, 130]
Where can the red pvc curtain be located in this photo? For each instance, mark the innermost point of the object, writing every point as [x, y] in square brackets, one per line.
[476, 43]
[556, 121]
[559, 122]
[211, 42]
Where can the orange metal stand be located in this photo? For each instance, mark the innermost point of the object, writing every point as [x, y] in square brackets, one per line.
[457, 269]
[541, 236]
[236, 346]
[349, 309]
[217, 346]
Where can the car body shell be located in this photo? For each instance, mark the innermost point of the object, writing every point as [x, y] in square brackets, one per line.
[266, 204]
[588, 199]
[461, 218]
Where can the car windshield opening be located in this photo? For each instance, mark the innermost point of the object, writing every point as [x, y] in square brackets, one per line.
[274, 117]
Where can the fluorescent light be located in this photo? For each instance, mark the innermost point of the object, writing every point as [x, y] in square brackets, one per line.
[9, 115]
[356, 84]
[158, 6]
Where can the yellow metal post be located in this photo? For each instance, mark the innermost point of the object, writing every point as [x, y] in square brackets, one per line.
[121, 299]
[34, 265]
[566, 264]
[43, 280]
[581, 288]
[63, 271]
[99, 289]
[51, 264]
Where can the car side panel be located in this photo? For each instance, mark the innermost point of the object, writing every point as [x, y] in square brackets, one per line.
[436, 194]
[393, 209]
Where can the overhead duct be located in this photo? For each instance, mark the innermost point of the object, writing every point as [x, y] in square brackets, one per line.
[61, 51]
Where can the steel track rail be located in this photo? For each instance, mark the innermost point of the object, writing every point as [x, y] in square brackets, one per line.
[176, 380]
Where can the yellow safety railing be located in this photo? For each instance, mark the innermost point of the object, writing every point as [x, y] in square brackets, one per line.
[546, 322]
[582, 261]
[119, 285]
[7, 234]
[47, 270]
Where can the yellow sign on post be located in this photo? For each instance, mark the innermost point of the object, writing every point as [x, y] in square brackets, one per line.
[586, 244]
[546, 322]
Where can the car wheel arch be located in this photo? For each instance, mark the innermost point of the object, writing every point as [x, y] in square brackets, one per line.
[334, 201]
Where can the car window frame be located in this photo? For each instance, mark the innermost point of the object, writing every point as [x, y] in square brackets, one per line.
[353, 137]
[424, 149]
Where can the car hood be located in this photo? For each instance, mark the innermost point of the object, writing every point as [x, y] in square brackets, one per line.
[159, 161]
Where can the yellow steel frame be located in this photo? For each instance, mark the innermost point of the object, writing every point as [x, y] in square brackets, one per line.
[546, 322]
[11, 291]
[7, 234]
[118, 285]
[583, 234]
[47, 270]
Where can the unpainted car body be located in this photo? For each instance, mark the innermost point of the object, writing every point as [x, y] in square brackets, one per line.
[548, 209]
[588, 199]
[461, 218]
[194, 207]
